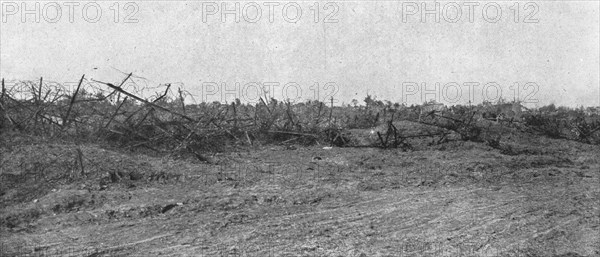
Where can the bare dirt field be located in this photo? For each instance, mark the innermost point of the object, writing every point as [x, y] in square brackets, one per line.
[453, 199]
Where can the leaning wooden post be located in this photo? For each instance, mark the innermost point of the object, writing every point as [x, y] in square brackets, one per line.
[3, 92]
[235, 120]
[64, 121]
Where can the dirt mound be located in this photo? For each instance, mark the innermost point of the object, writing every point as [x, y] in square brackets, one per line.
[48, 178]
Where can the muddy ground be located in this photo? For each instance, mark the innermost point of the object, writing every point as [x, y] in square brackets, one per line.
[452, 199]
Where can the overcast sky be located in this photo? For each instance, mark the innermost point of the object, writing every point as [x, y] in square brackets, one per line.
[346, 49]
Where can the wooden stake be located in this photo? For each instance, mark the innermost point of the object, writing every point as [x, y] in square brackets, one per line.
[64, 121]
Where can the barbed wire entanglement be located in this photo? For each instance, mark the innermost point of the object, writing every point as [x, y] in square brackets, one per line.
[135, 115]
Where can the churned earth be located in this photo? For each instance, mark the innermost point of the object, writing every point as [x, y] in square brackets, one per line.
[451, 199]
